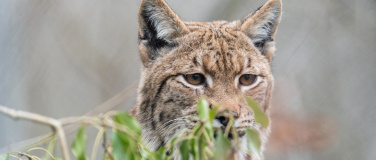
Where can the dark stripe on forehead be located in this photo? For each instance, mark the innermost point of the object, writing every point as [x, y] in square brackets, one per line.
[225, 57]
[229, 57]
[202, 37]
[195, 61]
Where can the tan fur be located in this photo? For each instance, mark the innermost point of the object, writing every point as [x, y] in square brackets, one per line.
[221, 51]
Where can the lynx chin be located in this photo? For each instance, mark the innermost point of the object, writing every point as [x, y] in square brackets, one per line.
[222, 61]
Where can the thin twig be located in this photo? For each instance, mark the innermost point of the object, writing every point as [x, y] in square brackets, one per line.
[39, 148]
[106, 106]
[17, 114]
[104, 144]
[113, 102]
[96, 143]
[73, 125]
[36, 141]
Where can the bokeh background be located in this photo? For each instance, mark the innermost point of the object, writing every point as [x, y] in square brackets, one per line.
[64, 58]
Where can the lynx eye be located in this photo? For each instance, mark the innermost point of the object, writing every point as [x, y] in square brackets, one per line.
[247, 79]
[195, 79]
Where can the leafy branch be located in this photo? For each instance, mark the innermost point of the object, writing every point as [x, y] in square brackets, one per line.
[203, 141]
[56, 124]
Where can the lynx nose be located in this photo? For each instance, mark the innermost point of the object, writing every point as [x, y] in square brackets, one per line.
[224, 117]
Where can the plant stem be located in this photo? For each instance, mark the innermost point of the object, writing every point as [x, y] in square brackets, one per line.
[17, 114]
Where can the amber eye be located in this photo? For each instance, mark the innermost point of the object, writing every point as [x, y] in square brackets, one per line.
[195, 79]
[247, 79]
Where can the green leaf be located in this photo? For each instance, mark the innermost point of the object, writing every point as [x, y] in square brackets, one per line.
[184, 150]
[202, 145]
[213, 113]
[206, 115]
[254, 142]
[223, 147]
[260, 116]
[209, 127]
[119, 145]
[195, 149]
[203, 109]
[124, 145]
[128, 121]
[79, 144]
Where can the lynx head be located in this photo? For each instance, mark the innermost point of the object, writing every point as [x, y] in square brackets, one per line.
[183, 61]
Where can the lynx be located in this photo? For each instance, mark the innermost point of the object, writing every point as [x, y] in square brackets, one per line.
[222, 61]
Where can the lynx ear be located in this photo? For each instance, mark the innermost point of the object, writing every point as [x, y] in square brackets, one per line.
[158, 26]
[261, 26]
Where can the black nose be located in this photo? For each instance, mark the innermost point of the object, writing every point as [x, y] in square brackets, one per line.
[223, 120]
[224, 117]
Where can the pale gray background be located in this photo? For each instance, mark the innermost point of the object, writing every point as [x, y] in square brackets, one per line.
[63, 58]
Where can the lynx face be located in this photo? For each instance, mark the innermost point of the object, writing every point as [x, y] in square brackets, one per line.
[222, 61]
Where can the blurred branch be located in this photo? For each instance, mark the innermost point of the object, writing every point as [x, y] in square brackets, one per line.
[56, 124]
[106, 106]
[114, 101]
[72, 123]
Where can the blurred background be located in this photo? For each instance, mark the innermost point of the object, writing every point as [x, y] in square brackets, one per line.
[64, 58]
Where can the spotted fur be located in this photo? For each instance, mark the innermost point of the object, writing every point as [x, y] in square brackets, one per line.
[221, 51]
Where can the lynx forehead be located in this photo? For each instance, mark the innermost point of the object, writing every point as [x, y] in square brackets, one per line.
[183, 61]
